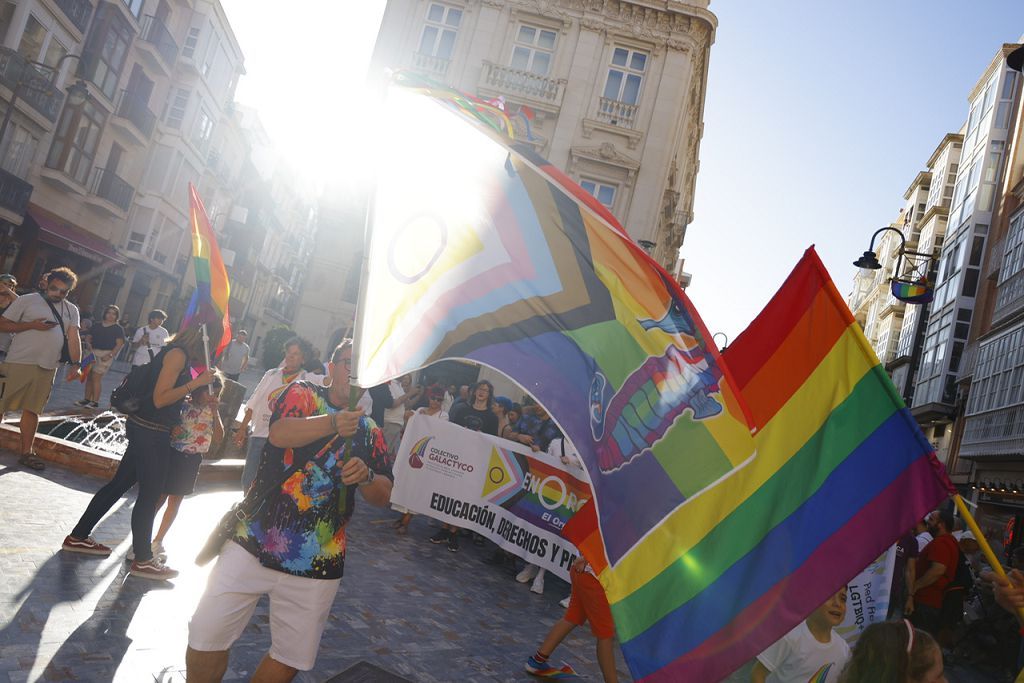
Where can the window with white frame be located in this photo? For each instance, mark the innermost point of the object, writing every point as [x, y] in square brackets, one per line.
[203, 128]
[18, 150]
[603, 192]
[191, 40]
[625, 75]
[533, 49]
[177, 103]
[440, 30]
[141, 223]
[41, 44]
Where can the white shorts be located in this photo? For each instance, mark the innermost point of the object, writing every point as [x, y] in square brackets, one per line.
[298, 608]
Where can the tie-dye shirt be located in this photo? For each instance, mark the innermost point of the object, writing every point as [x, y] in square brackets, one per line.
[301, 529]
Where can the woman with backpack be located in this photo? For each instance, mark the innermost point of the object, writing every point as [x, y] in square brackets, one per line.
[147, 456]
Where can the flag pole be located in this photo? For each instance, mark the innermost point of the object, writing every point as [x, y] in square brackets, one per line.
[206, 346]
[986, 549]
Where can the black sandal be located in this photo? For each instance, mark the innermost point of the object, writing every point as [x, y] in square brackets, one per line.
[33, 461]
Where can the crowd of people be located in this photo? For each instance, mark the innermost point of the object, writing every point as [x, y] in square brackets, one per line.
[307, 454]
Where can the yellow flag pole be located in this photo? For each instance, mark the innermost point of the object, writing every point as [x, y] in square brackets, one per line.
[993, 561]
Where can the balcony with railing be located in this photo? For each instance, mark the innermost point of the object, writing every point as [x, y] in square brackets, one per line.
[430, 65]
[505, 80]
[997, 433]
[158, 42]
[110, 190]
[1009, 297]
[14, 196]
[616, 113]
[78, 11]
[133, 116]
[33, 86]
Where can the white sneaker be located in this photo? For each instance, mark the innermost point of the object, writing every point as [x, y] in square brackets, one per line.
[565, 601]
[527, 573]
[158, 552]
[538, 584]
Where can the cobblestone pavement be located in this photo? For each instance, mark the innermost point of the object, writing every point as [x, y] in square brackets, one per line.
[405, 605]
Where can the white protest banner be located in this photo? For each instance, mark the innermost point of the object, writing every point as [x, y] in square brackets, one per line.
[502, 490]
[867, 597]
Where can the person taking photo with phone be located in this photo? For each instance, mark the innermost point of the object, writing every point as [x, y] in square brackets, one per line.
[45, 327]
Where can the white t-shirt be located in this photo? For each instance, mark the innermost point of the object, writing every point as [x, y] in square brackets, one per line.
[396, 413]
[798, 657]
[571, 454]
[157, 340]
[439, 415]
[39, 347]
[270, 388]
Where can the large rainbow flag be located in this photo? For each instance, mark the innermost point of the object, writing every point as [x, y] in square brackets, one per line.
[209, 301]
[732, 493]
[841, 471]
[478, 252]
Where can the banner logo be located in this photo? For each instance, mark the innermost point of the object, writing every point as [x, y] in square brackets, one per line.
[417, 451]
[505, 477]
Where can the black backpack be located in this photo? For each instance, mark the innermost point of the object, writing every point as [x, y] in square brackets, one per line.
[963, 579]
[136, 387]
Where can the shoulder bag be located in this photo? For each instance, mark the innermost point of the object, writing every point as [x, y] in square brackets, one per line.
[65, 352]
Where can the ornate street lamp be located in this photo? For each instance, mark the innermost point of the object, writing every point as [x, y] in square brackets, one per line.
[912, 286]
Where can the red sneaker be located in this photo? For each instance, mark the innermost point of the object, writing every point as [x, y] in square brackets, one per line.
[86, 546]
[152, 569]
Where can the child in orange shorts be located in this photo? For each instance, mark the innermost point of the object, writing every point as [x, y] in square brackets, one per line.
[586, 603]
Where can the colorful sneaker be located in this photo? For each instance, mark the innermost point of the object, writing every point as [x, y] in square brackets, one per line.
[153, 569]
[441, 536]
[86, 546]
[453, 543]
[545, 670]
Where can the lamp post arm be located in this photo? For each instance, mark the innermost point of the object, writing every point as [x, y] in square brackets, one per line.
[903, 240]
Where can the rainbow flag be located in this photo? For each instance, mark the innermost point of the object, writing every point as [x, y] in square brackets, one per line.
[213, 291]
[841, 471]
[85, 368]
[479, 251]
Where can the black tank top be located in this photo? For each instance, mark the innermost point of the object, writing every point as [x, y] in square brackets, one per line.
[169, 415]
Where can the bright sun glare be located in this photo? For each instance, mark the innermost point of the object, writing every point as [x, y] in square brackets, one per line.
[305, 74]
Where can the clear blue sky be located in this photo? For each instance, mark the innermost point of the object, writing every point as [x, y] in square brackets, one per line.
[818, 116]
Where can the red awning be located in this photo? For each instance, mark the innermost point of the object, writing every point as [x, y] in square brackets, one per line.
[69, 237]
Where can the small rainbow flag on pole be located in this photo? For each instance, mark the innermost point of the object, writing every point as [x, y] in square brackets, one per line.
[210, 300]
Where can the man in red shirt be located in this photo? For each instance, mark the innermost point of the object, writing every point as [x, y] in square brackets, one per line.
[935, 569]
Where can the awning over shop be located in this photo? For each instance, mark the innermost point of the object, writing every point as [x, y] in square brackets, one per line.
[53, 230]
